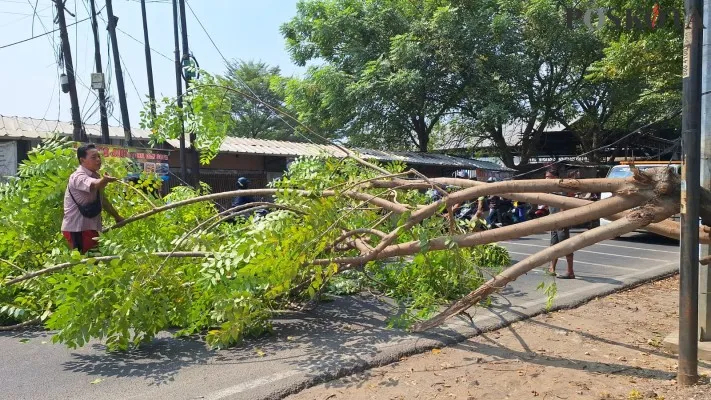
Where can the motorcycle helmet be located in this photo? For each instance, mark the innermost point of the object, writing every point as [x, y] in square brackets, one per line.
[242, 182]
[462, 175]
[492, 179]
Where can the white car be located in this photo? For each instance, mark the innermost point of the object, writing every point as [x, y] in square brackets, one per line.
[624, 171]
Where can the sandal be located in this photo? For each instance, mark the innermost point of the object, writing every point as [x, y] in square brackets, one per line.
[566, 276]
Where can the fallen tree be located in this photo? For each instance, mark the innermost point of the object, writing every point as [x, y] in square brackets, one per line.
[176, 262]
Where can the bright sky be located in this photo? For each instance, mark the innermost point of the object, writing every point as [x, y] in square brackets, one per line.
[242, 29]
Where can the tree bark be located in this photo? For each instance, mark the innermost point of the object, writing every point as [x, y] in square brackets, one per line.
[635, 220]
[551, 222]
[387, 205]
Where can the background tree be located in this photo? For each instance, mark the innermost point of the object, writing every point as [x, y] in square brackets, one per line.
[536, 71]
[252, 118]
[639, 75]
[386, 79]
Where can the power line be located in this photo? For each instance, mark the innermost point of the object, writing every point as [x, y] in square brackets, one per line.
[138, 41]
[40, 35]
[634, 132]
[141, 43]
[76, 39]
[52, 42]
[243, 83]
[25, 14]
[25, 17]
[129, 77]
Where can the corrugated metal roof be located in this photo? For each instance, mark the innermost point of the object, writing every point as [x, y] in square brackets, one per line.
[32, 128]
[293, 149]
[430, 159]
[270, 147]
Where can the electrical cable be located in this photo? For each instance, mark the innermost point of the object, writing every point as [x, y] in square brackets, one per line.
[255, 96]
[634, 132]
[38, 36]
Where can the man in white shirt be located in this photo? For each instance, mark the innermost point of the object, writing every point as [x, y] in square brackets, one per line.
[84, 201]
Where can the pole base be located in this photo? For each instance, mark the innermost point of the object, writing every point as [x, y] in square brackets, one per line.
[671, 344]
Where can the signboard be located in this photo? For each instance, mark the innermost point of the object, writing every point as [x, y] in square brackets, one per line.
[8, 159]
[149, 161]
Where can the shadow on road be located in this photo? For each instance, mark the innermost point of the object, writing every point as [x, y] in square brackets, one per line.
[324, 343]
[158, 361]
[647, 238]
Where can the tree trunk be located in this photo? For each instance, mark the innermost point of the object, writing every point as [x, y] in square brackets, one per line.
[423, 134]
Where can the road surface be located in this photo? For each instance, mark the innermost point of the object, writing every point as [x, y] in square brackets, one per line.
[338, 338]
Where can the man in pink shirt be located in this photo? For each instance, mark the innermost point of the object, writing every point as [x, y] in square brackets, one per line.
[84, 201]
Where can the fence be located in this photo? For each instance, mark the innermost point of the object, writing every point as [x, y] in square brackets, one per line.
[223, 181]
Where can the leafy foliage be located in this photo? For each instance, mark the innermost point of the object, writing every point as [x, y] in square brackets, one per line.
[207, 114]
[403, 75]
[387, 79]
[253, 267]
[253, 84]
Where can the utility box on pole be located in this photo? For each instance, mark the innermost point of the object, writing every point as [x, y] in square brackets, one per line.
[97, 81]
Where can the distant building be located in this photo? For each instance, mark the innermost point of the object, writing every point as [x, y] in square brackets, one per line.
[261, 161]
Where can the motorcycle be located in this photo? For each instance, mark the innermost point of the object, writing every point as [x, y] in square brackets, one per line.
[540, 211]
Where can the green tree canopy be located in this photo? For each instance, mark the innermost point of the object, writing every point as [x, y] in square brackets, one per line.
[257, 90]
[404, 74]
[386, 78]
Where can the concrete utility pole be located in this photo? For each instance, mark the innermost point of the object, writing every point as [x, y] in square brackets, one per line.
[149, 63]
[102, 92]
[119, 75]
[690, 194]
[179, 90]
[704, 276]
[69, 66]
[194, 156]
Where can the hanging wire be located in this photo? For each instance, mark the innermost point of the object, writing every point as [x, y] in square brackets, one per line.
[635, 132]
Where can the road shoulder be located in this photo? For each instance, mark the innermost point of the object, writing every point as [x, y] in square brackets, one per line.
[609, 348]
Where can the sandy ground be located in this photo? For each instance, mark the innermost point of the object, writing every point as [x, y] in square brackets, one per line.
[609, 348]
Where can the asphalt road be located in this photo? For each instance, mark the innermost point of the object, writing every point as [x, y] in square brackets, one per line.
[336, 339]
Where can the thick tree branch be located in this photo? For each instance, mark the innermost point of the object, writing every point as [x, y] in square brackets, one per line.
[637, 219]
[548, 223]
[25, 324]
[397, 208]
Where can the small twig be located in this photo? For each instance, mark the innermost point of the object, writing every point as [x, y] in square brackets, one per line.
[139, 192]
[59, 267]
[380, 221]
[432, 184]
[355, 232]
[351, 187]
[24, 271]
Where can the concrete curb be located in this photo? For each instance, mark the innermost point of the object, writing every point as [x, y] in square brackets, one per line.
[459, 331]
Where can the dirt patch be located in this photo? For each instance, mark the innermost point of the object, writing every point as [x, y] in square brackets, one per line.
[609, 348]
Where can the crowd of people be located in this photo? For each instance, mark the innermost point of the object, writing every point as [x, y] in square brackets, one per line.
[490, 212]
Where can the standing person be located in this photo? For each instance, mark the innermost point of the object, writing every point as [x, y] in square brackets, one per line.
[242, 184]
[559, 235]
[84, 201]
